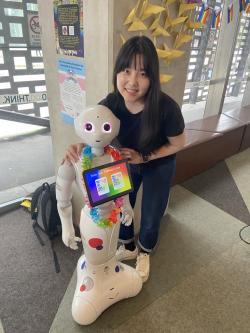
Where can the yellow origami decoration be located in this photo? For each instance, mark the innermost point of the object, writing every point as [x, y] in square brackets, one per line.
[160, 25]
[131, 15]
[163, 54]
[167, 23]
[182, 39]
[186, 7]
[155, 23]
[149, 10]
[165, 78]
[143, 7]
[194, 25]
[178, 20]
[160, 31]
[137, 25]
[174, 54]
[169, 54]
[169, 2]
[123, 39]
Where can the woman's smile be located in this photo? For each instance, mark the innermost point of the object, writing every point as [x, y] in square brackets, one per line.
[131, 91]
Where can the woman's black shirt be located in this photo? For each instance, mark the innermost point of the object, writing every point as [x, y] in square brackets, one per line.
[172, 122]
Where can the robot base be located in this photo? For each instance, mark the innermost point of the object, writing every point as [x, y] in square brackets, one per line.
[100, 286]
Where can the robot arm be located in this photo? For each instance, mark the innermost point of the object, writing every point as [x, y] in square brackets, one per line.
[65, 178]
[127, 212]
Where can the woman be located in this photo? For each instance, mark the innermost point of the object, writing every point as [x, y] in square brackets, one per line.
[151, 132]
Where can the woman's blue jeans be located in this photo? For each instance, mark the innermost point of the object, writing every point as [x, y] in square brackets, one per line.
[156, 178]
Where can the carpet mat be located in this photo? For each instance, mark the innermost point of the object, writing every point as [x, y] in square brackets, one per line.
[30, 289]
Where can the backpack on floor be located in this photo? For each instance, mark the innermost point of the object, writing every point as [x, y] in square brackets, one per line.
[45, 216]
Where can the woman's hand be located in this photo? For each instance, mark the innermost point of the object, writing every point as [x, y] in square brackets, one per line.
[72, 153]
[132, 155]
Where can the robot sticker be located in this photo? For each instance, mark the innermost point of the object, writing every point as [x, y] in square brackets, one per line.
[87, 284]
[83, 265]
[96, 243]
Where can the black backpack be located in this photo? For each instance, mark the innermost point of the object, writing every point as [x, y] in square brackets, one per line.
[45, 216]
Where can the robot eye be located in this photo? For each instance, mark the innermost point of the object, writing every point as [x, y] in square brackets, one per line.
[89, 127]
[106, 127]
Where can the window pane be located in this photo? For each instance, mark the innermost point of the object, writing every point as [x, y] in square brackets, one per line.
[1, 57]
[25, 78]
[13, 12]
[16, 30]
[32, 7]
[18, 45]
[37, 65]
[20, 62]
[4, 72]
[44, 111]
[40, 88]
[203, 49]
[1, 40]
[36, 53]
[5, 85]
[28, 106]
[23, 90]
[239, 73]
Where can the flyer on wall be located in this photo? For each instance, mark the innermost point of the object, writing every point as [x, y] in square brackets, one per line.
[68, 18]
[72, 88]
[34, 29]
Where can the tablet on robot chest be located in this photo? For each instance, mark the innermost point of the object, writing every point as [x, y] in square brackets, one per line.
[107, 182]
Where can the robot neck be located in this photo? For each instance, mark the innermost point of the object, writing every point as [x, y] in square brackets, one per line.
[98, 151]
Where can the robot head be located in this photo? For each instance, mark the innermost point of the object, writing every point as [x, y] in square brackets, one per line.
[97, 126]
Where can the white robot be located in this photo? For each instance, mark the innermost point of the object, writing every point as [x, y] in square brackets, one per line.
[101, 279]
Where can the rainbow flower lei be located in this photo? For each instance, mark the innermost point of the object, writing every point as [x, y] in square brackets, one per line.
[86, 163]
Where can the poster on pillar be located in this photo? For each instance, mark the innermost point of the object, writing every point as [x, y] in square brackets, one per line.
[68, 17]
[72, 88]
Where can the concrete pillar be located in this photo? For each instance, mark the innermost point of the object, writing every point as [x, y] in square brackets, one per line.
[98, 47]
[246, 96]
[222, 62]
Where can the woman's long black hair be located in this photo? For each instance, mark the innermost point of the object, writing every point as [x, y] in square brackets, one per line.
[142, 45]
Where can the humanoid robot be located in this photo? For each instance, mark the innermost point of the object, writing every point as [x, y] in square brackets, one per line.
[101, 279]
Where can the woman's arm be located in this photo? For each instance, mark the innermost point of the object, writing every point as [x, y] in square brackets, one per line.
[72, 153]
[175, 144]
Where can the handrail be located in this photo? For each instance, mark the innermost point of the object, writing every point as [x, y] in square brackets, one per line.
[23, 118]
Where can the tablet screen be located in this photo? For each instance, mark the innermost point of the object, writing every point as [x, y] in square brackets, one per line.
[107, 182]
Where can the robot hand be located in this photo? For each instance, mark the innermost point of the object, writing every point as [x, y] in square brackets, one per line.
[69, 239]
[127, 212]
[127, 215]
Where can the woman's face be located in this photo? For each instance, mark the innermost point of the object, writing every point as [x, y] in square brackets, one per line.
[133, 82]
